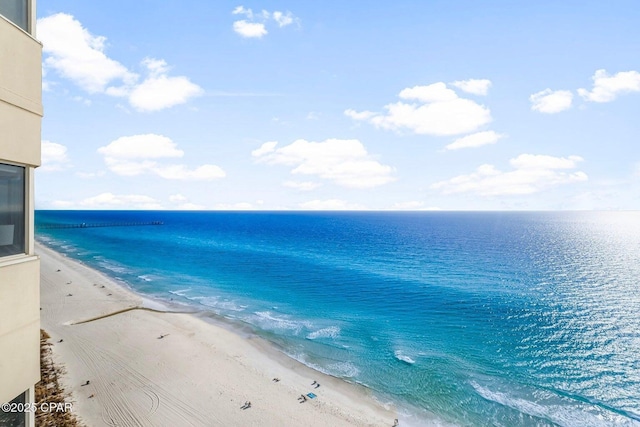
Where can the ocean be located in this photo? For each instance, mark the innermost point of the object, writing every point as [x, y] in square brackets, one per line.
[457, 318]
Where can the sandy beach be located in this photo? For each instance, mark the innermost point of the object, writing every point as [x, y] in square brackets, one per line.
[149, 367]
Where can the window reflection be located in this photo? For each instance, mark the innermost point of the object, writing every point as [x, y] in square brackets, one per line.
[12, 210]
[16, 11]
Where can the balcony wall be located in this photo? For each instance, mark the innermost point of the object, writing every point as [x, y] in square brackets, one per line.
[19, 326]
[20, 95]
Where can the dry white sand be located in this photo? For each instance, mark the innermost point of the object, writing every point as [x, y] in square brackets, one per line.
[199, 374]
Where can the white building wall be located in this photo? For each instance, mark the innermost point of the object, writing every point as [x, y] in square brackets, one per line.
[20, 133]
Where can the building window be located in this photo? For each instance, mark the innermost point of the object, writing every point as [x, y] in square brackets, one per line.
[12, 209]
[14, 418]
[16, 11]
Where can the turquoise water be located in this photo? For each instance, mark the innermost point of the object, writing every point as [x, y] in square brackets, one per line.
[467, 319]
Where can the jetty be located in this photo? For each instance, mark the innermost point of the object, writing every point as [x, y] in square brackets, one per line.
[94, 225]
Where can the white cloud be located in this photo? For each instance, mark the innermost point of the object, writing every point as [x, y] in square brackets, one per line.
[531, 174]
[111, 201]
[139, 154]
[190, 207]
[329, 205]
[54, 157]
[177, 198]
[79, 56]
[254, 26]
[532, 161]
[437, 110]
[241, 206]
[549, 101]
[606, 88]
[250, 29]
[283, 19]
[146, 146]
[473, 86]
[343, 161]
[302, 185]
[436, 92]
[182, 173]
[181, 203]
[82, 100]
[89, 175]
[475, 140]
[62, 204]
[46, 85]
[129, 168]
[265, 148]
[241, 10]
[158, 91]
[413, 205]
[362, 115]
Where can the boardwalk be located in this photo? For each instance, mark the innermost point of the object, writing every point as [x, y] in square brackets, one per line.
[104, 224]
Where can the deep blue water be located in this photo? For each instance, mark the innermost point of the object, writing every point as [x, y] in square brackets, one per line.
[469, 319]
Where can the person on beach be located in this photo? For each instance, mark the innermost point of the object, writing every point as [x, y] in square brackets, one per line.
[395, 423]
[313, 382]
[317, 385]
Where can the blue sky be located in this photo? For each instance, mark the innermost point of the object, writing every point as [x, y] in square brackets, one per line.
[453, 105]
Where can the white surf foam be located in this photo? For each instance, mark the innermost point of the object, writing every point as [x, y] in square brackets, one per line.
[217, 303]
[267, 320]
[180, 292]
[113, 267]
[330, 332]
[343, 369]
[403, 357]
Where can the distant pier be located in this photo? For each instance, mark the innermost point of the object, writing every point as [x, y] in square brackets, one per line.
[94, 225]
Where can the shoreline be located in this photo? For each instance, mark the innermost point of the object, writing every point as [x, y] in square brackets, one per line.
[152, 365]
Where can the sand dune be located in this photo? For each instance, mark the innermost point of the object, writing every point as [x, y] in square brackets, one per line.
[197, 374]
